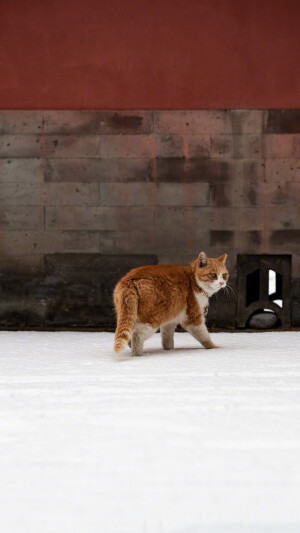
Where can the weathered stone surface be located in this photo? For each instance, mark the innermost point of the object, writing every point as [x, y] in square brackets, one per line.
[142, 182]
[282, 121]
[281, 170]
[287, 217]
[246, 121]
[186, 194]
[192, 122]
[22, 218]
[71, 194]
[98, 218]
[21, 264]
[99, 170]
[126, 146]
[247, 146]
[75, 291]
[21, 170]
[21, 122]
[207, 170]
[169, 146]
[206, 146]
[80, 241]
[170, 169]
[221, 238]
[281, 146]
[98, 122]
[86, 283]
[15, 146]
[283, 193]
[263, 320]
[224, 146]
[65, 146]
[286, 239]
[120, 194]
[21, 194]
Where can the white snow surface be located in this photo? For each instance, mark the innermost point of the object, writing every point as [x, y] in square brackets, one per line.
[185, 441]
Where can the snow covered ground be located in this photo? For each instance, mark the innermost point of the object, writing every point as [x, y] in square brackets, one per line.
[186, 441]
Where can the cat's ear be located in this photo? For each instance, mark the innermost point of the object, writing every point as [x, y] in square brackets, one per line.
[202, 259]
[222, 258]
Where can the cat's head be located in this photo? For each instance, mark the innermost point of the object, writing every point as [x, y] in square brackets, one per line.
[211, 273]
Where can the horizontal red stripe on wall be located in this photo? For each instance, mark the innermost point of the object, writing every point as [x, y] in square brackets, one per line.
[149, 54]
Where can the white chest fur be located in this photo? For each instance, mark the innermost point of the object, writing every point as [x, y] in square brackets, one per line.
[202, 300]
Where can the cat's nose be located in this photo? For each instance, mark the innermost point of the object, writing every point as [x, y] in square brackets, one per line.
[221, 283]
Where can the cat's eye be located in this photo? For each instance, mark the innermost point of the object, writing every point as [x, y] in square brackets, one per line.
[224, 276]
[214, 276]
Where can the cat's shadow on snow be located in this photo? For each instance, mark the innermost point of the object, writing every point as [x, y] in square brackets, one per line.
[159, 352]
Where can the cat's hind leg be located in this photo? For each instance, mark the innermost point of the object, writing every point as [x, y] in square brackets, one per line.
[140, 334]
[200, 333]
[167, 335]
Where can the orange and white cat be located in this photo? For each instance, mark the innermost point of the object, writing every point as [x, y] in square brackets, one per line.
[163, 296]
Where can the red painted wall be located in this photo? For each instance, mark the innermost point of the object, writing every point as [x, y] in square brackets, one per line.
[146, 54]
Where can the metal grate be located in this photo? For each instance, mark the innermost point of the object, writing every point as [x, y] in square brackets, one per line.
[264, 282]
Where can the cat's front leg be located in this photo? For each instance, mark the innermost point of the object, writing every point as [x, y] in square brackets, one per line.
[200, 333]
[167, 336]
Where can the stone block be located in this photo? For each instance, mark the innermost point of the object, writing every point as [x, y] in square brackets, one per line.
[283, 193]
[98, 170]
[281, 146]
[73, 146]
[21, 170]
[282, 121]
[233, 218]
[189, 122]
[21, 122]
[130, 194]
[23, 242]
[207, 170]
[169, 146]
[247, 170]
[80, 241]
[15, 146]
[183, 194]
[85, 283]
[177, 258]
[170, 169]
[98, 122]
[127, 146]
[186, 240]
[71, 194]
[224, 146]
[22, 218]
[247, 146]
[98, 218]
[222, 238]
[21, 194]
[236, 193]
[286, 240]
[281, 170]
[21, 264]
[248, 241]
[122, 242]
[246, 121]
[209, 146]
[285, 218]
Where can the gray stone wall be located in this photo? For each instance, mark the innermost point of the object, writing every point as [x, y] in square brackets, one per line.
[87, 195]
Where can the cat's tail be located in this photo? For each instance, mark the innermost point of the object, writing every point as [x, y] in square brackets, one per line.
[126, 304]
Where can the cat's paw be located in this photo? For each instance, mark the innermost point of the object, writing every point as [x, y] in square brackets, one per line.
[210, 345]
